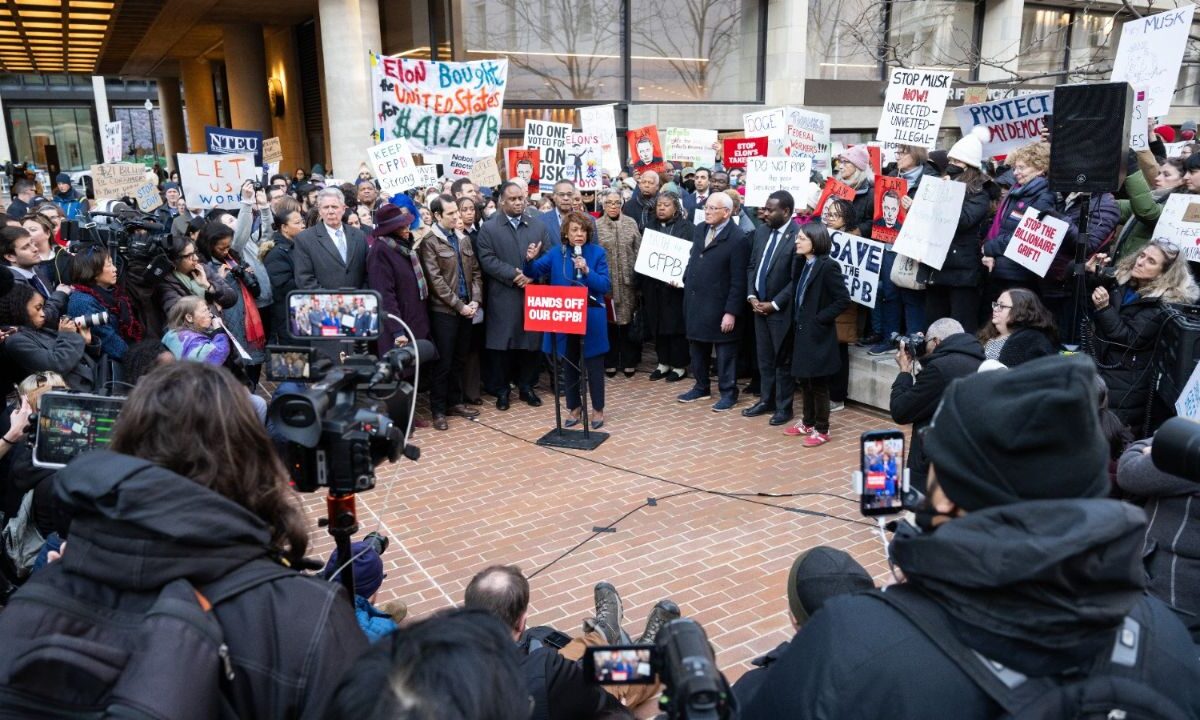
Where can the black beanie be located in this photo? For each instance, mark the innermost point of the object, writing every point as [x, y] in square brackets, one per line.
[819, 574]
[1029, 433]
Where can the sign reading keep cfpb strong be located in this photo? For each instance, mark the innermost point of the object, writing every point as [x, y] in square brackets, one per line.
[551, 308]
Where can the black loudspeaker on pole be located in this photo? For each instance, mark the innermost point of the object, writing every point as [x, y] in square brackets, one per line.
[1089, 137]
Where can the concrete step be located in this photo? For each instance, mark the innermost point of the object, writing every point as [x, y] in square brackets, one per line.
[871, 378]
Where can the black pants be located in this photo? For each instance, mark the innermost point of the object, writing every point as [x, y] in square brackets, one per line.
[517, 366]
[774, 369]
[816, 403]
[622, 352]
[959, 303]
[726, 366]
[839, 382]
[571, 374]
[672, 350]
[452, 337]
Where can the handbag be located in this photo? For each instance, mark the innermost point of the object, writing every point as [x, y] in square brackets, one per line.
[637, 327]
[904, 273]
[847, 324]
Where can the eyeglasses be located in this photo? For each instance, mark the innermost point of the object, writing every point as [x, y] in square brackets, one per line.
[190, 256]
[997, 306]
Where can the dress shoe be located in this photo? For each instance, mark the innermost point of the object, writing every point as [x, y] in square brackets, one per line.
[780, 418]
[676, 375]
[502, 402]
[658, 374]
[439, 422]
[630, 372]
[531, 398]
[610, 372]
[463, 411]
[758, 408]
[474, 401]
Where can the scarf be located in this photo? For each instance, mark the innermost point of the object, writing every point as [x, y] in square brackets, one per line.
[116, 302]
[192, 286]
[255, 333]
[407, 251]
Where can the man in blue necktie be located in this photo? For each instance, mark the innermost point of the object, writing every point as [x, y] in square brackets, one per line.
[769, 276]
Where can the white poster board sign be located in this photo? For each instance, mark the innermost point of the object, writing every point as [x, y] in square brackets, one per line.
[1179, 223]
[913, 107]
[771, 124]
[861, 260]
[1188, 404]
[1139, 133]
[551, 138]
[598, 120]
[112, 142]
[1151, 52]
[460, 166]
[690, 146]
[1011, 122]
[392, 164]
[427, 175]
[662, 256]
[808, 135]
[585, 161]
[766, 175]
[932, 221]
[215, 181]
[1035, 242]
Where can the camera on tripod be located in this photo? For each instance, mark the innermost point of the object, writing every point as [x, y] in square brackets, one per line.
[132, 235]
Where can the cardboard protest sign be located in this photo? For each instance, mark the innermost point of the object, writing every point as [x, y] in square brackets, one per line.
[808, 135]
[147, 197]
[1188, 403]
[112, 142]
[1150, 53]
[212, 181]
[833, 188]
[974, 95]
[1011, 123]
[598, 120]
[645, 149]
[585, 161]
[932, 221]
[691, 146]
[427, 175]
[913, 106]
[223, 141]
[272, 151]
[460, 166]
[440, 107]
[555, 308]
[771, 124]
[551, 140]
[392, 165]
[1139, 134]
[1179, 223]
[889, 211]
[766, 175]
[113, 181]
[662, 256]
[524, 163]
[486, 173]
[1036, 240]
[861, 260]
[737, 150]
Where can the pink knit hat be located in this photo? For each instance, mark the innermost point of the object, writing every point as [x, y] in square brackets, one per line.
[857, 156]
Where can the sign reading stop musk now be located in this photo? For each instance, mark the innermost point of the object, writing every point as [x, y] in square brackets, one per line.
[912, 108]
[552, 308]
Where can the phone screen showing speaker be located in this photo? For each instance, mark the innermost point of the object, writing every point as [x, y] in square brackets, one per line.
[882, 464]
[71, 423]
[619, 664]
[350, 315]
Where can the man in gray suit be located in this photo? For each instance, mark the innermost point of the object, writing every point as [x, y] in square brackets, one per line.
[769, 283]
[501, 249]
[330, 255]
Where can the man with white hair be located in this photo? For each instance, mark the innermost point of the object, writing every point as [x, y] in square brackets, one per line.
[330, 255]
[950, 353]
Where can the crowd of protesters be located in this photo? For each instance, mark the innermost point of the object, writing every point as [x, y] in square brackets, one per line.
[763, 305]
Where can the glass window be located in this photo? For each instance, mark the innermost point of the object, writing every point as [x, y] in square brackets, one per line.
[21, 139]
[1045, 33]
[935, 34]
[557, 50]
[841, 36]
[87, 138]
[1093, 45]
[58, 80]
[695, 50]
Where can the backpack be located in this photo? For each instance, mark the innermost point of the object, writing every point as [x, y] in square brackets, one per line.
[81, 649]
[22, 541]
[1115, 687]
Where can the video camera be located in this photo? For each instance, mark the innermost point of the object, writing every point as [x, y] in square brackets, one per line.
[335, 439]
[694, 688]
[138, 238]
[1105, 277]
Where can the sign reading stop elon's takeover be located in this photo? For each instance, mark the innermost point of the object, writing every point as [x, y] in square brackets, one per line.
[552, 308]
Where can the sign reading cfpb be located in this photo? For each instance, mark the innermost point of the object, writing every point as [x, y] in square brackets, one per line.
[552, 308]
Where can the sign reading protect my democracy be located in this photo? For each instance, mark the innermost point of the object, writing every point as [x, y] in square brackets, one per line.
[1011, 123]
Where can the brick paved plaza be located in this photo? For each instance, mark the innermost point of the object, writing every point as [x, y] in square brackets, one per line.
[484, 493]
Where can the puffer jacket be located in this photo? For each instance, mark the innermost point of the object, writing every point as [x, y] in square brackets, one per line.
[1034, 194]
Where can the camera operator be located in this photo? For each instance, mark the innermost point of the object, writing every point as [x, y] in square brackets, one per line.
[20, 253]
[96, 290]
[1022, 560]
[1127, 318]
[67, 350]
[192, 499]
[949, 354]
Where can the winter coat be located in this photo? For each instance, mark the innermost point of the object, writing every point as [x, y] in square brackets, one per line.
[390, 273]
[111, 342]
[621, 241]
[31, 351]
[441, 263]
[1025, 344]
[246, 243]
[559, 265]
[663, 304]
[281, 275]
[234, 316]
[1171, 556]
[778, 280]
[1139, 213]
[962, 265]
[1039, 587]
[1034, 194]
[197, 346]
[814, 317]
[1126, 334]
[916, 398]
[73, 206]
[220, 294]
[501, 252]
[640, 209]
[290, 639]
[715, 283]
[1103, 215]
[864, 206]
[375, 623]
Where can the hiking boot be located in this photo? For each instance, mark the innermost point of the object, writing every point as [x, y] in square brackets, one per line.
[609, 613]
[664, 612]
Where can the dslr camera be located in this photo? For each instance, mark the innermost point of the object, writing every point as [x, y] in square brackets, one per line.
[1105, 277]
[913, 344]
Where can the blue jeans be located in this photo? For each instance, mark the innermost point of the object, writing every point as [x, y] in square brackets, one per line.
[913, 304]
[885, 317]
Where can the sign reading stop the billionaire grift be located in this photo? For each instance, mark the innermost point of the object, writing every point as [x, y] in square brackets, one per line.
[553, 308]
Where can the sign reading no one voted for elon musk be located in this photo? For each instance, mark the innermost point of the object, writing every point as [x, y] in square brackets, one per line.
[1035, 242]
[552, 308]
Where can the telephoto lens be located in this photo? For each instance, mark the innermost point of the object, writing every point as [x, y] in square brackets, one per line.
[92, 320]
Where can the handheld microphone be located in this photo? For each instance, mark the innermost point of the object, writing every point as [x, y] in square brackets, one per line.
[578, 253]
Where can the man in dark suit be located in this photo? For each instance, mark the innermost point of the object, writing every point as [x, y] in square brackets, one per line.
[769, 283]
[696, 199]
[330, 255]
[714, 290]
[501, 250]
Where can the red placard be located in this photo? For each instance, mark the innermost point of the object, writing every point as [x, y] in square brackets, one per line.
[555, 308]
[833, 188]
[889, 208]
[645, 150]
[526, 164]
[875, 153]
[738, 149]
